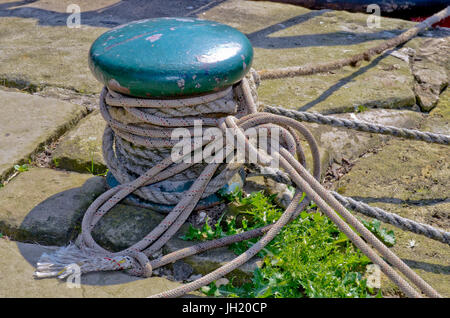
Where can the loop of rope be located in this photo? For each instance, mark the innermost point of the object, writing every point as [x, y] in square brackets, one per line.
[247, 117]
[136, 144]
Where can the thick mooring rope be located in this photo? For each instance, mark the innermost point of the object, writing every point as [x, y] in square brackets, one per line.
[90, 256]
[137, 148]
[360, 125]
[374, 212]
[394, 219]
[355, 59]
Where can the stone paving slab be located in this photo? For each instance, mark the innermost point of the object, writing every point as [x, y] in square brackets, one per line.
[44, 205]
[35, 56]
[81, 148]
[17, 261]
[28, 122]
[409, 179]
[39, 50]
[283, 35]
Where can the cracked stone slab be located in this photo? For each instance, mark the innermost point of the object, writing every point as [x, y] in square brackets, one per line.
[28, 122]
[439, 119]
[430, 67]
[46, 206]
[81, 147]
[408, 178]
[17, 261]
[56, 202]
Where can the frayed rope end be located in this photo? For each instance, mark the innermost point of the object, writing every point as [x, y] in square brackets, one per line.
[71, 259]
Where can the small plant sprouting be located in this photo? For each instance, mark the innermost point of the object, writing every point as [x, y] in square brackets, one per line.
[92, 169]
[361, 108]
[21, 168]
[385, 236]
[55, 162]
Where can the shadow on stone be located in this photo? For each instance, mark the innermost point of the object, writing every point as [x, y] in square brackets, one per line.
[428, 267]
[57, 220]
[344, 81]
[111, 15]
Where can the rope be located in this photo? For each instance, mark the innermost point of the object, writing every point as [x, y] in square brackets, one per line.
[136, 146]
[363, 208]
[136, 257]
[355, 59]
[394, 219]
[360, 125]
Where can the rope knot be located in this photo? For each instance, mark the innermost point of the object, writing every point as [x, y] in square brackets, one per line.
[141, 265]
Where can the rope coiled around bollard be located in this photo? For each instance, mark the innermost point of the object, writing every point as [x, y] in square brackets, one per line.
[152, 132]
[136, 147]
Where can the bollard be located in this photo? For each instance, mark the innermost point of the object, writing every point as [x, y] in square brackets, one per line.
[170, 58]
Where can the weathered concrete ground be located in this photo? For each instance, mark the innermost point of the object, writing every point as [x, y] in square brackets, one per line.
[49, 122]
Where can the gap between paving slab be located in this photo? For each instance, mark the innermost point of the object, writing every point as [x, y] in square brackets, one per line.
[28, 122]
[56, 202]
[283, 35]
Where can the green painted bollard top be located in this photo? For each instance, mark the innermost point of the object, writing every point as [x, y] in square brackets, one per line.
[170, 57]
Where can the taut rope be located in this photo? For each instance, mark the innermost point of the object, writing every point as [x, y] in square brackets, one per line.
[137, 148]
[91, 256]
[355, 59]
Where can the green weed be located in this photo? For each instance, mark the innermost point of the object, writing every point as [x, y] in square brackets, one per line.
[21, 168]
[94, 170]
[309, 258]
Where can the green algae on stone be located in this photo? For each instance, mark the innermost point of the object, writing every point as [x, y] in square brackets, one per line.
[81, 148]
